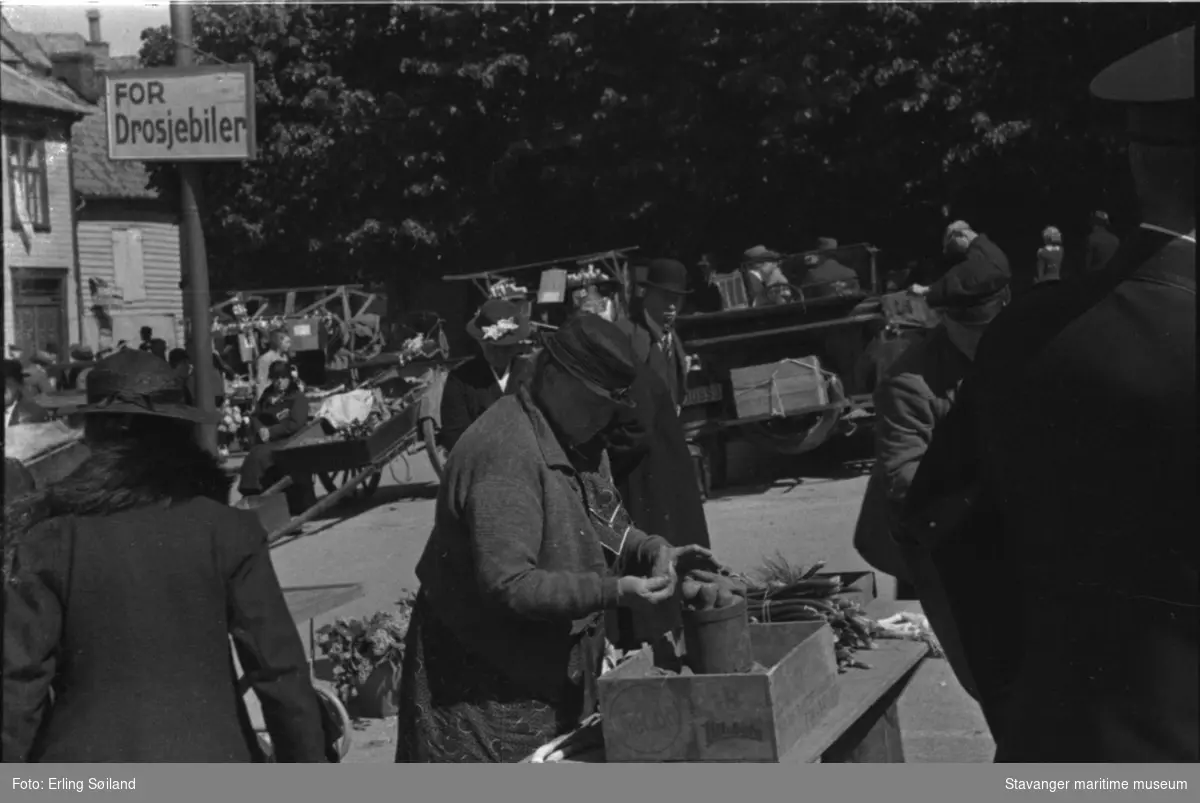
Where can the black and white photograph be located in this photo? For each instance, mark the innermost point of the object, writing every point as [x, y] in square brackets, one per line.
[587, 383]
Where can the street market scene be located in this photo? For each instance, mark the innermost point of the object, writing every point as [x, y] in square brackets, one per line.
[522, 383]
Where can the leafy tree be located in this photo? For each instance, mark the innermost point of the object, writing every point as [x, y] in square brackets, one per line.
[413, 139]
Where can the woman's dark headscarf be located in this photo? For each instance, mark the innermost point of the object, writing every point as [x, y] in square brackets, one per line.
[597, 354]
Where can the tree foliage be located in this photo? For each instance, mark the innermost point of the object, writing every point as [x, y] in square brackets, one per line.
[413, 139]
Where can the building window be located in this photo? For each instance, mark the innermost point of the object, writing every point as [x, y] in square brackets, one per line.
[27, 181]
[128, 271]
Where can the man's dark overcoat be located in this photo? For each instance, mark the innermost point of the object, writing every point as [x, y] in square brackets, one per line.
[1072, 578]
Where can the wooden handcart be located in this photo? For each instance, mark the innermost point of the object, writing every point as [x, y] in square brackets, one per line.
[306, 604]
[347, 467]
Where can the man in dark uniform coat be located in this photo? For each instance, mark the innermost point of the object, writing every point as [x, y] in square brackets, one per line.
[1053, 522]
[652, 320]
[500, 327]
[1101, 243]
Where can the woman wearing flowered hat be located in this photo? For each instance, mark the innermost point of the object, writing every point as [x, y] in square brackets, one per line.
[501, 329]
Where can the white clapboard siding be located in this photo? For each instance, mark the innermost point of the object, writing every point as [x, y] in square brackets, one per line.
[50, 249]
[156, 301]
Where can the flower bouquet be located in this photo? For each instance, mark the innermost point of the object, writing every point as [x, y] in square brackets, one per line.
[366, 655]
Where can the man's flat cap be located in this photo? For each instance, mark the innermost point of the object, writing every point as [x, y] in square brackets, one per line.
[1158, 84]
[970, 283]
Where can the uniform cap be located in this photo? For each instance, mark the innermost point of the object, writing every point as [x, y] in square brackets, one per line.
[1157, 82]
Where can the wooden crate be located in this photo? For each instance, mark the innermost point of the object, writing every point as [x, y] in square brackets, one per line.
[737, 718]
[780, 389]
[348, 455]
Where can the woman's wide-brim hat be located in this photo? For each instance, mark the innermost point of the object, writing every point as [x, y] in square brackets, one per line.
[499, 322]
[135, 382]
[666, 274]
[597, 354]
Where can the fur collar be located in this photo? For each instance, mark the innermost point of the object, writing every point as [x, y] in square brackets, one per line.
[122, 477]
[117, 478]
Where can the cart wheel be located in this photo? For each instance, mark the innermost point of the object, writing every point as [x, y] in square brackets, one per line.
[365, 490]
[339, 728]
[437, 455]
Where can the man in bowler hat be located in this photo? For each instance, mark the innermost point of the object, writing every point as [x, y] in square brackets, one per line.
[1052, 524]
[651, 323]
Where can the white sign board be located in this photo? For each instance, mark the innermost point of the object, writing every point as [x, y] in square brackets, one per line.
[181, 114]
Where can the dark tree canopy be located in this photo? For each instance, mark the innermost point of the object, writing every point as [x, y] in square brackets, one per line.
[415, 139]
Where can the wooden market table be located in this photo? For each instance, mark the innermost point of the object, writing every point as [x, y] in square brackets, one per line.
[864, 726]
[306, 603]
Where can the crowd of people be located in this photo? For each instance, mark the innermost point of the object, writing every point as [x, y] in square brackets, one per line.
[1022, 446]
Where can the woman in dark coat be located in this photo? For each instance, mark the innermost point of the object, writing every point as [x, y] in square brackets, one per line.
[127, 580]
[282, 411]
[501, 329]
[530, 547]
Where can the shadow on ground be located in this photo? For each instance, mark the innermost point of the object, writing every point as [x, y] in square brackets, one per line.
[839, 459]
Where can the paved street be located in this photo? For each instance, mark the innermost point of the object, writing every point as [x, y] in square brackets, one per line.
[805, 518]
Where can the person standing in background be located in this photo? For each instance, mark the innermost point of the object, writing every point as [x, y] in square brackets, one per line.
[147, 336]
[18, 408]
[707, 295]
[825, 275]
[1049, 257]
[501, 328]
[279, 346]
[1063, 482]
[1101, 243]
[37, 378]
[915, 396]
[651, 324]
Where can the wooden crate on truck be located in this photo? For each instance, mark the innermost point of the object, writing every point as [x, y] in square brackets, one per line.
[779, 389]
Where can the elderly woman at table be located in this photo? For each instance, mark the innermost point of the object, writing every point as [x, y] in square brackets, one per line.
[530, 547]
[124, 584]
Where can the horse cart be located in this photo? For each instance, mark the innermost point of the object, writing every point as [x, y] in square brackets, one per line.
[789, 375]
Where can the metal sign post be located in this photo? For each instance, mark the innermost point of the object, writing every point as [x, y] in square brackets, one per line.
[196, 289]
[186, 114]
